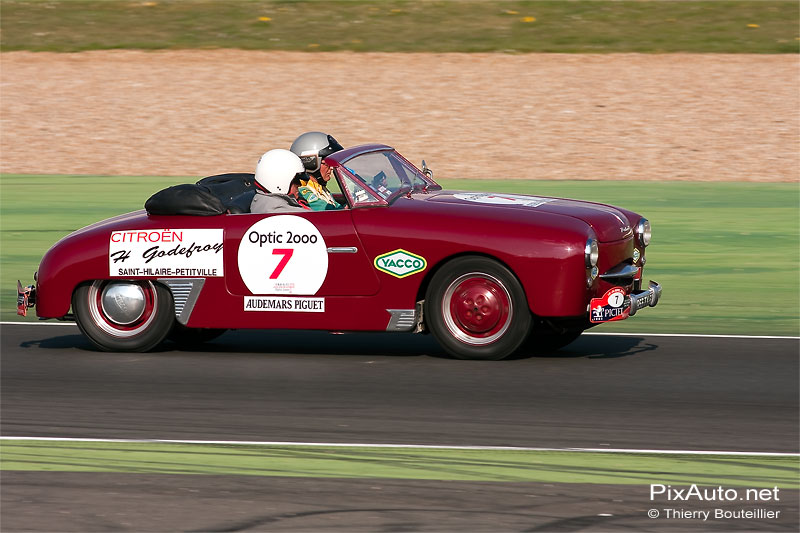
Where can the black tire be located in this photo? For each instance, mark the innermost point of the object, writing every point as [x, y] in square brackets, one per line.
[547, 342]
[184, 336]
[115, 327]
[476, 309]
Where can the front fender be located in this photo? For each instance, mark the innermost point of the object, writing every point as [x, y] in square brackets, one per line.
[545, 252]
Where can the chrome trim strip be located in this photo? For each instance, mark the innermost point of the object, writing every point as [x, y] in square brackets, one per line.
[402, 319]
[342, 250]
[185, 292]
[624, 271]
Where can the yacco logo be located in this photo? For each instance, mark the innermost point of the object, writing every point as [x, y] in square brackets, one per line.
[400, 263]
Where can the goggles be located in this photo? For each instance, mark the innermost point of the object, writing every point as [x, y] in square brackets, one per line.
[311, 161]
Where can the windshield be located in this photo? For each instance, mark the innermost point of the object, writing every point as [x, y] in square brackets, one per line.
[383, 175]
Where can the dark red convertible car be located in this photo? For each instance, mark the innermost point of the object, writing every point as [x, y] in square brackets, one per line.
[487, 274]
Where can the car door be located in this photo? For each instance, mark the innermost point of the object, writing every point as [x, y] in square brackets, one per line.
[304, 254]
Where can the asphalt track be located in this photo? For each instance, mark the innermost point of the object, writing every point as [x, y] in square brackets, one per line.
[601, 391]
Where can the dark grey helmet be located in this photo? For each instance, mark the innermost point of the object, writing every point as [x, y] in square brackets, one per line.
[314, 146]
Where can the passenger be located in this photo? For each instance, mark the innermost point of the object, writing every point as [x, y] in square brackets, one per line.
[278, 175]
[312, 147]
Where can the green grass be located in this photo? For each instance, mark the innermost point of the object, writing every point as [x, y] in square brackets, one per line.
[401, 463]
[726, 253]
[754, 26]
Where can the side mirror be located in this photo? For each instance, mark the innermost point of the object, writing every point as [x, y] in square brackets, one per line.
[425, 170]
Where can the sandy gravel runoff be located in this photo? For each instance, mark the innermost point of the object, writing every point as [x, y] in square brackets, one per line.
[537, 116]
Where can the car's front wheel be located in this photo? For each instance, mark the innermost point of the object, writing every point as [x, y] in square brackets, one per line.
[122, 315]
[476, 309]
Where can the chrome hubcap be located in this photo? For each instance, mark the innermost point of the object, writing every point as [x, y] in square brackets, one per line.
[123, 303]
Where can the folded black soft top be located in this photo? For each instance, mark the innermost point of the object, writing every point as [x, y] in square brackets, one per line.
[226, 187]
[214, 195]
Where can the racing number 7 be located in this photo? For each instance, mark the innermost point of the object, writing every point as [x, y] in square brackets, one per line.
[287, 254]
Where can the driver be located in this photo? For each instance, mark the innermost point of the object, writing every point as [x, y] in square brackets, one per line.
[277, 180]
[312, 147]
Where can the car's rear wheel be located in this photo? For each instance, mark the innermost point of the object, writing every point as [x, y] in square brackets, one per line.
[122, 315]
[476, 309]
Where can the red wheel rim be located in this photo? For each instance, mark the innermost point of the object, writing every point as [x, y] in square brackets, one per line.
[106, 323]
[477, 308]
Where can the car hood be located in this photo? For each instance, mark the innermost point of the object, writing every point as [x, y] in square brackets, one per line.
[608, 223]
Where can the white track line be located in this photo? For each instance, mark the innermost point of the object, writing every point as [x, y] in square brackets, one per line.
[407, 446]
[689, 335]
[697, 335]
[42, 323]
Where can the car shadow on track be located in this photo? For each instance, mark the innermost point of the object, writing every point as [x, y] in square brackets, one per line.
[391, 344]
[377, 344]
[315, 342]
[605, 347]
[61, 342]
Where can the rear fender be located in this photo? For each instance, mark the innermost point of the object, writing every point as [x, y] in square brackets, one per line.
[65, 266]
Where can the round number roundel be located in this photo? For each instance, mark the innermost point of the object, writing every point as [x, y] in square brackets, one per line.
[616, 299]
[283, 254]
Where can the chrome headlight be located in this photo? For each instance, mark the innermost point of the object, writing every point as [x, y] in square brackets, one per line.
[643, 231]
[591, 253]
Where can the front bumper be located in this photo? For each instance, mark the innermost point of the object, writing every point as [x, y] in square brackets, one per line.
[26, 298]
[618, 304]
[646, 298]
